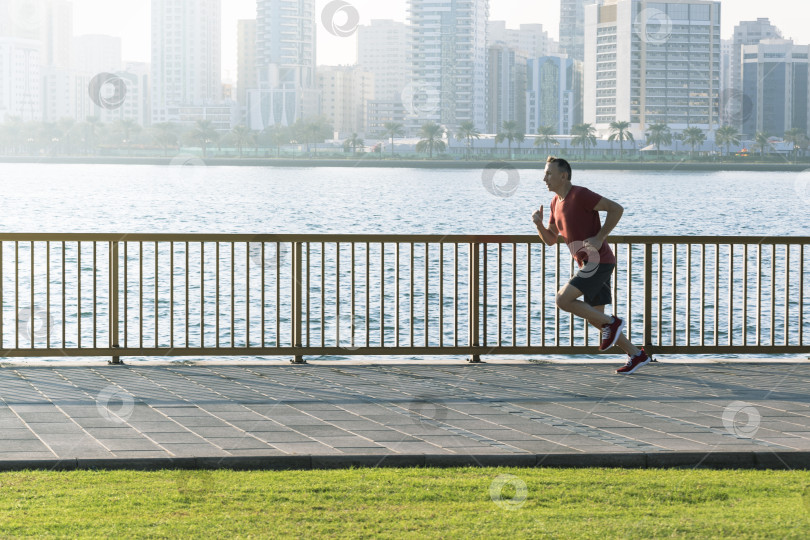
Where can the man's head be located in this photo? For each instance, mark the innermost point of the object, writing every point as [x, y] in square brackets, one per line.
[558, 173]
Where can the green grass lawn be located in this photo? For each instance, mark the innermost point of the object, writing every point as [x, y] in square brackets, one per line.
[410, 503]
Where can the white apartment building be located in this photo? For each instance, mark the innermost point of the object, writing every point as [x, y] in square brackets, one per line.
[135, 106]
[345, 94]
[528, 40]
[449, 48]
[96, 53]
[186, 49]
[652, 63]
[246, 71]
[382, 49]
[20, 81]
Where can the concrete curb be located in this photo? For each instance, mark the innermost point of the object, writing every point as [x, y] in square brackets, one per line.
[668, 460]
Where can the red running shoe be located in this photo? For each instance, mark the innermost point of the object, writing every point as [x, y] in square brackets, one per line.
[610, 333]
[641, 359]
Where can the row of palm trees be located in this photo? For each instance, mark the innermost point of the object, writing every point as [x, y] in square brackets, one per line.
[67, 136]
[584, 135]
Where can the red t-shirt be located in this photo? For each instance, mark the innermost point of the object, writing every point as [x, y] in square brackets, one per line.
[576, 220]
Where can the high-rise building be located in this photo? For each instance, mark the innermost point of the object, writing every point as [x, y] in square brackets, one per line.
[736, 106]
[506, 96]
[651, 63]
[553, 93]
[345, 94]
[95, 53]
[285, 60]
[528, 41]
[135, 76]
[449, 48]
[382, 49]
[246, 74]
[776, 78]
[186, 49]
[20, 81]
[572, 28]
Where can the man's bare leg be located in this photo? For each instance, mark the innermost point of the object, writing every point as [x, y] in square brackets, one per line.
[568, 300]
[623, 343]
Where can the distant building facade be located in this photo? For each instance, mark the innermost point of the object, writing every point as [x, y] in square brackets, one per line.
[186, 49]
[285, 64]
[652, 65]
[776, 78]
[553, 94]
[449, 48]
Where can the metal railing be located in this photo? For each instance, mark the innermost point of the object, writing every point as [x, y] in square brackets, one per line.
[310, 295]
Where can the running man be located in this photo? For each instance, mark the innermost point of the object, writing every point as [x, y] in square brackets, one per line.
[575, 217]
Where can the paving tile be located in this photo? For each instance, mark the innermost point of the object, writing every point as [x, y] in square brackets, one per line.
[22, 445]
[194, 450]
[116, 445]
[305, 448]
[66, 427]
[415, 448]
[162, 437]
[244, 443]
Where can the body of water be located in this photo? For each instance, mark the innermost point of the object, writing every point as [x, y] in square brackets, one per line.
[119, 198]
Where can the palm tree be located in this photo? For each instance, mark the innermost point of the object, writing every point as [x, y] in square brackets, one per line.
[279, 135]
[66, 125]
[10, 132]
[91, 123]
[545, 137]
[727, 135]
[510, 133]
[761, 140]
[242, 135]
[693, 136]
[467, 131]
[393, 129]
[50, 134]
[431, 138]
[204, 133]
[797, 138]
[659, 134]
[353, 142]
[584, 135]
[312, 131]
[620, 131]
[165, 135]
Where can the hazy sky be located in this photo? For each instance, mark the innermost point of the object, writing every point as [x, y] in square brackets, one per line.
[130, 19]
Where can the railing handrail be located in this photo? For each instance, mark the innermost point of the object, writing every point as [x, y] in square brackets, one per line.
[157, 283]
[387, 238]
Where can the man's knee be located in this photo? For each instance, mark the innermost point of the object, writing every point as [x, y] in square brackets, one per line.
[566, 296]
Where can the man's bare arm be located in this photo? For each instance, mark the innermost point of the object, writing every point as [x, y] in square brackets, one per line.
[550, 234]
[614, 214]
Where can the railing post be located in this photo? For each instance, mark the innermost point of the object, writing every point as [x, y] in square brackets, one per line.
[297, 303]
[647, 324]
[113, 292]
[474, 311]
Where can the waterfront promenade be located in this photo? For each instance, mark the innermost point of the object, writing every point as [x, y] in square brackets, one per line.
[375, 413]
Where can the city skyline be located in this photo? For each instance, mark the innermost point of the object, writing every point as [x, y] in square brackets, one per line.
[129, 21]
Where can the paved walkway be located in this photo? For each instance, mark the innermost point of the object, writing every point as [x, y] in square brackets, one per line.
[281, 415]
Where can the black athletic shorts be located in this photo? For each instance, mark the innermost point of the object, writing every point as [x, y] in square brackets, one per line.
[594, 283]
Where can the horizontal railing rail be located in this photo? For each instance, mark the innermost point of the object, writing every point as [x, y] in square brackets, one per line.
[311, 295]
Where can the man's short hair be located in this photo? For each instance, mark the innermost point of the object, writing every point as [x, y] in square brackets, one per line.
[562, 165]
